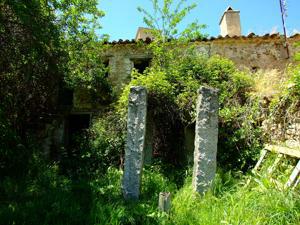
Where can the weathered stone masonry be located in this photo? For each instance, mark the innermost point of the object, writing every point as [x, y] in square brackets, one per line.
[134, 150]
[206, 139]
[251, 52]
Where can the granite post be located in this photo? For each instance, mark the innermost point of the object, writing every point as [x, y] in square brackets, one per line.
[134, 150]
[206, 139]
[164, 202]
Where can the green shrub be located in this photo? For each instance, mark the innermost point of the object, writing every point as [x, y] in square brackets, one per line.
[172, 94]
[100, 147]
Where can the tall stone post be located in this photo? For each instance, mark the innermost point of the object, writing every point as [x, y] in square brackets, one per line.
[136, 128]
[206, 139]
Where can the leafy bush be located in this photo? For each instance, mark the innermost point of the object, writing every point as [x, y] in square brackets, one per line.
[97, 148]
[172, 93]
[106, 141]
[15, 154]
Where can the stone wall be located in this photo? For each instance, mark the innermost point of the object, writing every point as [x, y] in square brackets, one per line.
[285, 131]
[252, 52]
[121, 58]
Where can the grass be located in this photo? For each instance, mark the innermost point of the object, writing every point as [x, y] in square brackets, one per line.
[259, 205]
[55, 199]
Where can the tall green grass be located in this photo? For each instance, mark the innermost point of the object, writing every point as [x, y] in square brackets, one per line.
[231, 201]
[58, 200]
[240, 205]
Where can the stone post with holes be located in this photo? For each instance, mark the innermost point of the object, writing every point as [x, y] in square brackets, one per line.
[206, 139]
[134, 150]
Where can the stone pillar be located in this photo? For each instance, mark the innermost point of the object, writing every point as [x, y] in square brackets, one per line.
[134, 150]
[206, 139]
[164, 202]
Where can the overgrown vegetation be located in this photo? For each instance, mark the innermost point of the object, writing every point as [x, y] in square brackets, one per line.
[172, 92]
[283, 106]
[45, 43]
[55, 199]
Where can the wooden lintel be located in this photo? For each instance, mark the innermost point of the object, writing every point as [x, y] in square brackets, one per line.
[283, 150]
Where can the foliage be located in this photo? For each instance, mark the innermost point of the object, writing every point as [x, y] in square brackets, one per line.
[164, 24]
[13, 156]
[297, 54]
[238, 205]
[103, 145]
[30, 68]
[268, 83]
[43, 196]
[78, 22]
[112, 209]
[294, 82]
[240, 135]
[177, 71]
[166, 17]
[43, 44]
[51, 198]
[172, 97]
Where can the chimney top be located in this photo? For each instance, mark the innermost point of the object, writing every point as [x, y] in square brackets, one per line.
[143, 33]
[230, 23]
[228, 10]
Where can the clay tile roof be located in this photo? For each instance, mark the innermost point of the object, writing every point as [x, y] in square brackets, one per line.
[295, 35]
[206, 39]
[275, 35]
[251, 35]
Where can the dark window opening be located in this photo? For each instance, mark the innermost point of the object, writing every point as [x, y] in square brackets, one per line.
[65, 96]
[141, 64]
[77, 124]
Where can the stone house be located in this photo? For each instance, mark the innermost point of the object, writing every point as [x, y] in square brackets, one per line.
[253, 52]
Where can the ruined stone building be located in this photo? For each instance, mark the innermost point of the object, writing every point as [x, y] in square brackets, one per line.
[254, 52]
[267, 52]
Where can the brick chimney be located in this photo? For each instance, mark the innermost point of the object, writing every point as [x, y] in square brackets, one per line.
[230, 23]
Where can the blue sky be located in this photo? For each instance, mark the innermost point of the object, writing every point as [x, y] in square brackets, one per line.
[259, 16]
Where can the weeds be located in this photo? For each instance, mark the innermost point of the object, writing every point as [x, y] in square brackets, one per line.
[55, 199]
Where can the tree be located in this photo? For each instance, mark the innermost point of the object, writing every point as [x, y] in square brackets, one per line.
[42, 44]
[167, 16]
[164, 23]
[78, 22]
[31, 62]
